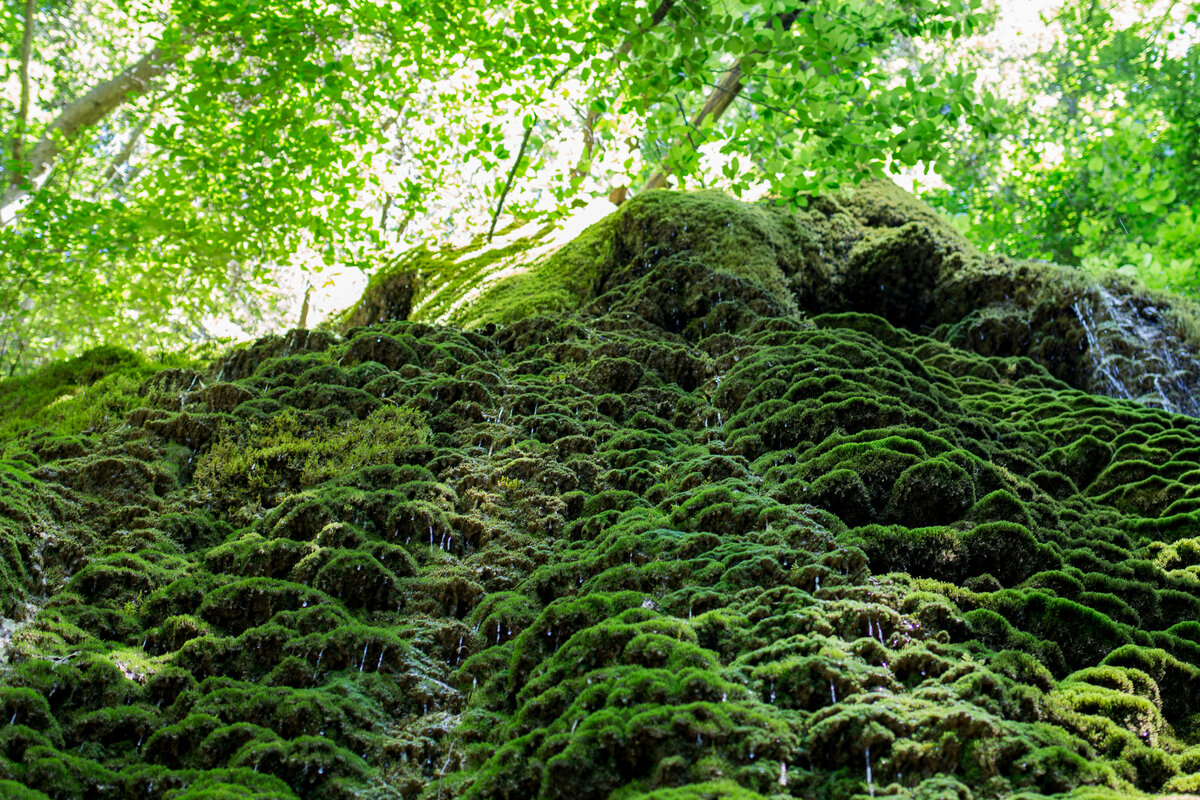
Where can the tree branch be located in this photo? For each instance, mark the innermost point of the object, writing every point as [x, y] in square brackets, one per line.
[18, 143]
[719, 99]
[110, 173]
[81, 114]
[593, 116]
[512, 174]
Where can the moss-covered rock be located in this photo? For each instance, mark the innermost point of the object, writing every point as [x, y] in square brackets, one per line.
[638, 523]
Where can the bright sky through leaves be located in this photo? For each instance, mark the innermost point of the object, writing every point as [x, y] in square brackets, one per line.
[265, 147]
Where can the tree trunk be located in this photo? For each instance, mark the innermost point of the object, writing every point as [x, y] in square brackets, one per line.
[18, 143]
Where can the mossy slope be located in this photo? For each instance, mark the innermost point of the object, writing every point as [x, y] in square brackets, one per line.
[673, 539]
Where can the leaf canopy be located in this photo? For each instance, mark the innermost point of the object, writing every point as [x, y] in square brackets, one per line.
[266, 139]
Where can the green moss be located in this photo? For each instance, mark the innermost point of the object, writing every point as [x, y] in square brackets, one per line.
[233, 784]
[665, 538]
[92, 391]
[290, 451]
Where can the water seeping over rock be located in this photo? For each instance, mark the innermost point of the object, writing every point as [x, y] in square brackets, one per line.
[715, 501]
[1136, 353]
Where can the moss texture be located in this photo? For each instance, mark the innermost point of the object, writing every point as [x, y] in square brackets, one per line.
[677, 535]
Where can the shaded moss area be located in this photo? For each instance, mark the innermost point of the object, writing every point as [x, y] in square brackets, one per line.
[675, 538]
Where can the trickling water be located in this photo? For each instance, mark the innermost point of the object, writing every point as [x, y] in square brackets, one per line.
[870, 782]
[1135, 355]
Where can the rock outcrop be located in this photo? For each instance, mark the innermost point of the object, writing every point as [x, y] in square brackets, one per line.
[717, 501]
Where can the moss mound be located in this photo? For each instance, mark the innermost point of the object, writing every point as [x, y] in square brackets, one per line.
[676, 536]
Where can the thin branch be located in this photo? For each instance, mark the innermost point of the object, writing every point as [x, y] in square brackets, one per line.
[308, 290]
[593, 116]
[383, 213]
[408, 218]
[512, 175]
[683, 113]
[18, 143]
[110, 173]
[719, 99]
[73, 165]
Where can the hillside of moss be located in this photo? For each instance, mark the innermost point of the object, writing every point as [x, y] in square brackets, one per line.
[717, 501]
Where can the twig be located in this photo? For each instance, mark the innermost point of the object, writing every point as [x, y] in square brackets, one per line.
[110, 173]
[384, 212]
[593, 116]
[512, 175]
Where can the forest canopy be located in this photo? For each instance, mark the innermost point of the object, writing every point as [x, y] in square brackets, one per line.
[175, 165]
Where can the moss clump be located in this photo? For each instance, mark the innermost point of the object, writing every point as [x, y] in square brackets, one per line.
[289, 450]
[668, 538]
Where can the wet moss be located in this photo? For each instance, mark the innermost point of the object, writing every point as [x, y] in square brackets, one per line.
[666, 537]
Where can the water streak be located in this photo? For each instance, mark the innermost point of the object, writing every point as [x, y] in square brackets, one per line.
[1136, 355]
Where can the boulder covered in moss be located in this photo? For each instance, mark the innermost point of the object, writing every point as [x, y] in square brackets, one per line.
[718, 500]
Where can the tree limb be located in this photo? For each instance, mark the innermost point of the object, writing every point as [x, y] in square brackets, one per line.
[384, 212]
[593, 116]
[79, 115]
[719, 99]
[110, 173]
[18, 143]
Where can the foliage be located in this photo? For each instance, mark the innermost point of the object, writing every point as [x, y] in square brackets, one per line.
[263, 138]
[1095, 162]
